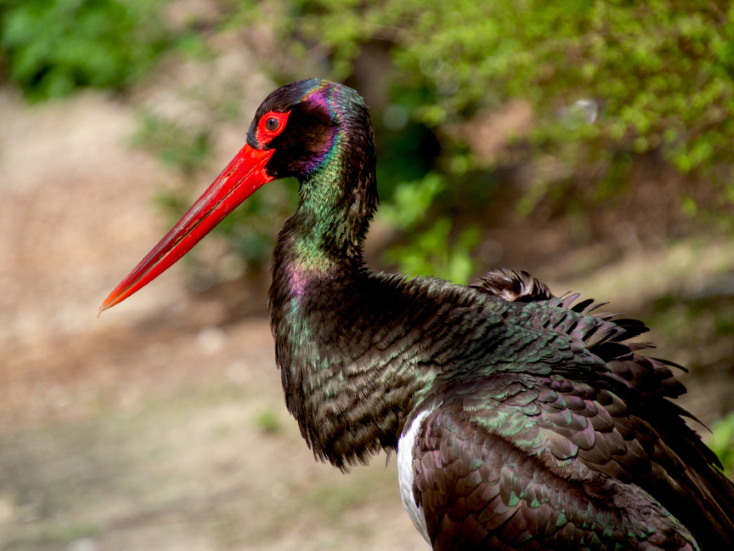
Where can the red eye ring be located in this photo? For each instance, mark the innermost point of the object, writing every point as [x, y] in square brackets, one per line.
[270, 125]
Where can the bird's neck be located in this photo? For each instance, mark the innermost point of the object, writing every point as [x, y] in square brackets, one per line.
[337, 203]
[324, 238]
[327, 312]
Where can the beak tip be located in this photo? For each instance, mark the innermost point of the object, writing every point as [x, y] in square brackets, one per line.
[101, 309]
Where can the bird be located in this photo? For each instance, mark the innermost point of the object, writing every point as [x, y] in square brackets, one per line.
[521, 420]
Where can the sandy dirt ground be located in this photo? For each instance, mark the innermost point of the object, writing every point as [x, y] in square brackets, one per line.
[161, 424]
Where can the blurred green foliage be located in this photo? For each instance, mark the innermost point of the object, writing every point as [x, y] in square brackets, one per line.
[608, 82]
[431, 253]
[721, 441]
[411, 201]
[52, 47]
[659, 73]
[428, 251]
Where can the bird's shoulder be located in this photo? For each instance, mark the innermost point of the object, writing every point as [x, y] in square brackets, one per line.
[575, 339]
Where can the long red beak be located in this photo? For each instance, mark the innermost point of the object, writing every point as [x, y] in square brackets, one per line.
[242, 177]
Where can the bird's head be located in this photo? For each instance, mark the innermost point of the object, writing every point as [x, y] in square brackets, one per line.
[300, 130]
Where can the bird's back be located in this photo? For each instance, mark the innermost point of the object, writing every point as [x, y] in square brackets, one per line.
[563, 432]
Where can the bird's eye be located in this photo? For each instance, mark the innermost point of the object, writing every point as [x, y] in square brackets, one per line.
[269, 125]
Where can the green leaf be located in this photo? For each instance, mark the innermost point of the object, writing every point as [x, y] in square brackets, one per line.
[411, 201]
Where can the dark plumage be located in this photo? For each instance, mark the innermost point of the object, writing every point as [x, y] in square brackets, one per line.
[521, 420]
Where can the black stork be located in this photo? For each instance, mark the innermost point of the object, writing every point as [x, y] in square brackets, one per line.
[521, 421]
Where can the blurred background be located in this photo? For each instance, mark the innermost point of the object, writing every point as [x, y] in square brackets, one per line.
[589, 143]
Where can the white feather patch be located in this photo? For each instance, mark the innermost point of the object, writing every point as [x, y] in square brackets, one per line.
[406, 477]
